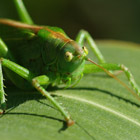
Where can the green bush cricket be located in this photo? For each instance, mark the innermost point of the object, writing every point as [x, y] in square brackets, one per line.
[35, 56]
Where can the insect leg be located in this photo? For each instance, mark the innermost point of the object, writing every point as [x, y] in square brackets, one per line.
[2, 93]
[37, 82]
[22, 12]
[90, 68]
[4, 51]
[85, 36]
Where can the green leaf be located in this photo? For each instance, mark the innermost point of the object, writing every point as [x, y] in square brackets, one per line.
[100, 106]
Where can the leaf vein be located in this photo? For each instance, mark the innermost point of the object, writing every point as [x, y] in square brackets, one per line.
[101, 107]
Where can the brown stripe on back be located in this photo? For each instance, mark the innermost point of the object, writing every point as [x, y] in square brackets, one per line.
[58, 35]
[17, 24]
[34, 28]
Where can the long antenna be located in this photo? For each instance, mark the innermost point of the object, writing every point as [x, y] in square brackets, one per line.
[113, 76]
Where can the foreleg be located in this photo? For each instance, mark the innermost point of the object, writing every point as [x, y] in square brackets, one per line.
[36, 82]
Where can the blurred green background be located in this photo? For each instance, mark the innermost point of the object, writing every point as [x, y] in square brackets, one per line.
[104, 19]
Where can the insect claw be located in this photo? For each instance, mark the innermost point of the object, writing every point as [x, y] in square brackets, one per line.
[2, 112]
[70, 122]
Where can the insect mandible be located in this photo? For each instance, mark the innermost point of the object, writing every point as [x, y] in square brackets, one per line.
[36, 56]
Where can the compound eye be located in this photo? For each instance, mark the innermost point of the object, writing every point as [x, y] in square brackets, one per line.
[68, 56]
[85, 50]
